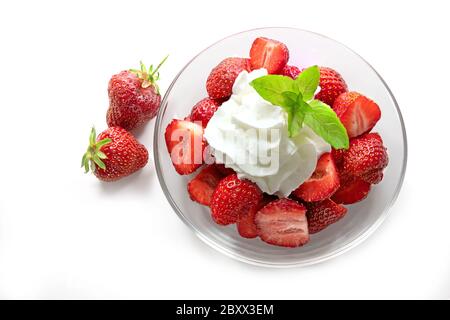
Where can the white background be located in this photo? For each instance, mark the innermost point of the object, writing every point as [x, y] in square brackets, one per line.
[65, 235]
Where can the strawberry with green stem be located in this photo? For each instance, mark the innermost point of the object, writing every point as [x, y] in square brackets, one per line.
[114, 154]
[134, 97]
[93, 156]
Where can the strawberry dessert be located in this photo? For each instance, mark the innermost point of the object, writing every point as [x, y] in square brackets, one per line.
[278, 149]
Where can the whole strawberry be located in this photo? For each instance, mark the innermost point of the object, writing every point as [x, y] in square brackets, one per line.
[366, 158]
[114, 154]
[221, 79]
[352, 190]
[331, 85]
[290, 71]
[204, 110]
[233, 198]
[134, 97]
[322, 214]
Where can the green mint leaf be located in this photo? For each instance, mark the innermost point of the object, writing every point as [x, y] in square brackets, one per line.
[325, 123]
[290, 99]
[296, 123]
[308, 81]
[296, 112]
[292, 96]
[271, 88]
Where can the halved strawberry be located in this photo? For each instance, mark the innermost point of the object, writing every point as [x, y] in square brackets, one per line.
[221, 79]
[352, 190]
[323, 182]
[283, 223]
[331, 85]
[246, 223]
[338, 157]
[185, 143]
[224, 170]
[201, 188]
[204, 110]
[322, 214]
[232, 198]
[290, 71]
[365, 157]
[357, 113]
[269, 54]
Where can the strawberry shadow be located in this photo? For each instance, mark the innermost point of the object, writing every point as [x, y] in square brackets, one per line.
[144, 135]
[137, 183]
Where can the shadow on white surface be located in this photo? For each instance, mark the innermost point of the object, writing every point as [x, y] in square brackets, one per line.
[144, 135]
[137, 183]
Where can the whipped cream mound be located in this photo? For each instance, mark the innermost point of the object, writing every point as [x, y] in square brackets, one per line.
[249, 135]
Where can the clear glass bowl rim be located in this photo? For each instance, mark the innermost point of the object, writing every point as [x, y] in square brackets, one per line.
[363, 236]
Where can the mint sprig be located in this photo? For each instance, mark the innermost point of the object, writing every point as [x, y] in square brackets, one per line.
[296, 97]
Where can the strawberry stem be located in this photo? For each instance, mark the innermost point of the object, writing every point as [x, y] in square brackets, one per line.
[93, 156]
[159, 65]
[149, 76]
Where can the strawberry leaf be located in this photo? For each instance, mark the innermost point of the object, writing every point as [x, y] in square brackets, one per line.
[93, 155]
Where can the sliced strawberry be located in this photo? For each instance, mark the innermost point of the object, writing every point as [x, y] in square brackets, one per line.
[322, 214]
[246, 223]
[233, 198]
[269, 54]
[323, 182]
[338, 157]
[290, 71]
[365, 156]
[185, 143]
[357, 113]
[331, 85]
[283, 223]
[201, 188]
[224, 170]
[221, 79]
[352, 190]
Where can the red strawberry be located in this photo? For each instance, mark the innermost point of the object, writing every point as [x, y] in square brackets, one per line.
[204, 110]
[290, 71]
[114, 154]
[269, 54]
[283, 223]
[246, 223]
[221, 79]
[352, 190]
[357, 113]
[365, 157]
[323, 182]
[201, 188]
[373, 177]
[133, 97]
[185, 143]
[331, 85]
[322, 214]
[233, 198]
[225, 171]
[338, 157]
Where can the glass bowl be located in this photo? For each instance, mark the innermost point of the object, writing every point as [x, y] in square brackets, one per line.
[306, 49]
